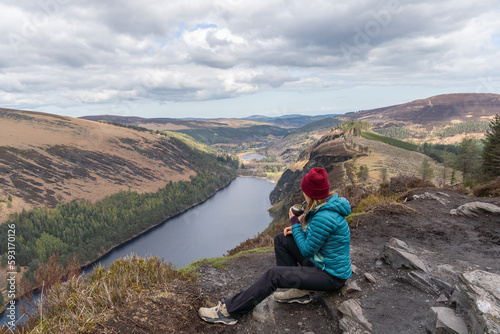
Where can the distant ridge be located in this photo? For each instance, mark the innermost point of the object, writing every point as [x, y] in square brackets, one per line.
[288, 121]
[438, 110]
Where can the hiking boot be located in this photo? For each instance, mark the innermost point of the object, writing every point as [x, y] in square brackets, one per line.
[217, 314]
[293, 296]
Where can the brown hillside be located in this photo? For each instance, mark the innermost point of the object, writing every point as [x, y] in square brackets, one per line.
[173, 124]
[437, 110]
[46, 159]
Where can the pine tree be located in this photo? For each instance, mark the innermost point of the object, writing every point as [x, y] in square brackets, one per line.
[468, 158]
[427, 171]
[491, 152]
[453, 178]
[383, 175]
[363, 173]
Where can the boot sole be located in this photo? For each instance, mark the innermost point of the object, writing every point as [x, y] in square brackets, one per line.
[219, 321]
[290, 301]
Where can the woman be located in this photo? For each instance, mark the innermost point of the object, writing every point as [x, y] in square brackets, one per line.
[322, 251]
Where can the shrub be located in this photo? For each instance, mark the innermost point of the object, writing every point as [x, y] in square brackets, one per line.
[491, 189]
[363, 173]
[403, 183]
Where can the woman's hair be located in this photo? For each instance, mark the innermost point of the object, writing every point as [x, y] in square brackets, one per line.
[314, 203]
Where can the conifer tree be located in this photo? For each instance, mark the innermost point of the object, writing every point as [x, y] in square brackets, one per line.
[363, 173]
[383, 175]
[427, 171]
[468, 158]
[491, 151]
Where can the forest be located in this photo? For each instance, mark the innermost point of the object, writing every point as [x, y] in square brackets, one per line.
[401, 132]
[220, 135]
[467, 127]
[391, 141]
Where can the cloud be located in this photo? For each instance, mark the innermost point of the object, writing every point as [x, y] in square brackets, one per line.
[66, 53]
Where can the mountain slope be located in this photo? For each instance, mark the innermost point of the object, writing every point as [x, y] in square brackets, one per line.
[435, 110]
[45, 159]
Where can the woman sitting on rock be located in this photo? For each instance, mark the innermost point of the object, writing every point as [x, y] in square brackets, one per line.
[322, 251]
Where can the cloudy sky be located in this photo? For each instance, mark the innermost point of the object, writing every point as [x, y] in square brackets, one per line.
[235, 58]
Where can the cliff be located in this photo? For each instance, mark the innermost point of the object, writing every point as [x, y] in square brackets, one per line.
[329, 152]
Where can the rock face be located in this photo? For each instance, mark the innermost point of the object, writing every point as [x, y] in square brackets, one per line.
[330, 153]
[478, 295]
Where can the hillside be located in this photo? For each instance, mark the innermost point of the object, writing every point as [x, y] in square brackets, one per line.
[341, 157]
[290, 121]
[173, 124]
[441, 119]
[286, 121]
[46, 159]
[436, 109]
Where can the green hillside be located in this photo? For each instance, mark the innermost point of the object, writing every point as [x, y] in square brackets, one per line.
[391, 141]
[225, 135]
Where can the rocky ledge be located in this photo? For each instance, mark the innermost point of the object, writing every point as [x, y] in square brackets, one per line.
[417, 269]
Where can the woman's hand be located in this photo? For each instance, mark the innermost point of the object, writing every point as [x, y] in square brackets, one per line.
[287, 231]
[290, 213]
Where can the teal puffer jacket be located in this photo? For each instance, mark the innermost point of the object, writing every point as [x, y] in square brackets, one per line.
[326, 240]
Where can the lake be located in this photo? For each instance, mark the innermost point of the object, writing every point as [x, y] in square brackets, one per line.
[210, 229]
[233, 215]
[253, 156]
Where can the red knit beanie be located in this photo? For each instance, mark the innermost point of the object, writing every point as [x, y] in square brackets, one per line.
[315, 183]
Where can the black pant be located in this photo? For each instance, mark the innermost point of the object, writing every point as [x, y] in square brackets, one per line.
[285, 275]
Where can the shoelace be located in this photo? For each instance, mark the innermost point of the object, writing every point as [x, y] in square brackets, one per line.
[219, 307]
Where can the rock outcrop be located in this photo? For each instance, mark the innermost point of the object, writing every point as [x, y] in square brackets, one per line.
[478, 295]
[472, 209]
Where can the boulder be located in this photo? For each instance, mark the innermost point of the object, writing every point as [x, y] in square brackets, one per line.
[442, 320]
[471, 209]
[370, 278]
[350, 286]
[264, 312]
[421, 281]
[477, 294]
[352, 310]
[427, 195]
[398, 255]
[349, 326]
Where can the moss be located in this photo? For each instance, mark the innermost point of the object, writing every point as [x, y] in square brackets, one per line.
[221, 262]
[353, 216]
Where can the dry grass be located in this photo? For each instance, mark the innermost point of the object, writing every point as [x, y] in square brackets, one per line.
[491, 189]
[86, 304]
[396, 161]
